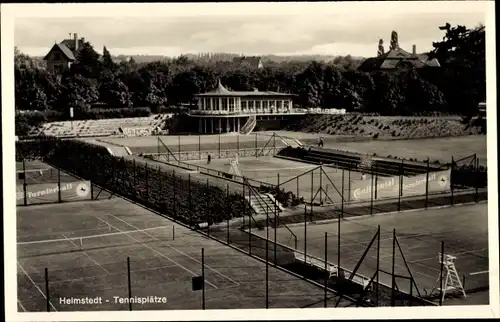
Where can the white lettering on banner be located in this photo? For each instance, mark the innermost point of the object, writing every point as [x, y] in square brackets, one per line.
[48, 191]
[137, 131]
[409, 183]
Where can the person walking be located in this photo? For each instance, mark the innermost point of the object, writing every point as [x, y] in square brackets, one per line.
[209, 158]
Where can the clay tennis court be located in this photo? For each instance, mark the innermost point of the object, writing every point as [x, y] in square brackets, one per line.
[85, 246]
[463, 229]
[285, 172]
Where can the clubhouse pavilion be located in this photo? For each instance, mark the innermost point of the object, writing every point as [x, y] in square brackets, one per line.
[225, 111]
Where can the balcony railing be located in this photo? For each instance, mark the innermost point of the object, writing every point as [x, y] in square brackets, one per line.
[271, 111]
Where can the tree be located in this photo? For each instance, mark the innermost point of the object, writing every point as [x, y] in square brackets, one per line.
[87, 62]
[107, 61]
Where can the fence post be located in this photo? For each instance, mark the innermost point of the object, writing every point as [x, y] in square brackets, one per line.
[203, 277]
[451, 180]
[134, 176]
[402, 177]
[59, 184]
[25, 192]
[393, 264]
[342, 197]
[47, 295]
[228, 210]
[298, 177]
[174, 194]
[276, 216]
[267, 262]
[378, 265]
[199, 147]
[219, 146]
[207, 210]
[427, 184]
[476, 194]
[441, 275]
[305, 231]
[376, 183]
[178, 147]
[256, 152]
[338, 244]
[147, 183]
[274, 143]
[190, 207]
[250, 221]
[129, 284]
[371, 191]
[400, 185]
[312, 192]
[321, 185]
[349, 184]
[326, 269]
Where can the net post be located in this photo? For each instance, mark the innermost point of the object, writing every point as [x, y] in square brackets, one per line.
[441, 275]
[129, 285]
[238, 143]
[59, 184]
[47, 295]
[393, 300]
[203, 277]
[427, 184]
[274, 143]
[25, 192]
[173, 232]
[327, 275]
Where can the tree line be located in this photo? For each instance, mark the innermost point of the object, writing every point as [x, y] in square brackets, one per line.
[457, 87]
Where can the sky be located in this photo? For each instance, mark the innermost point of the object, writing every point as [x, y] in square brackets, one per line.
[253, 30]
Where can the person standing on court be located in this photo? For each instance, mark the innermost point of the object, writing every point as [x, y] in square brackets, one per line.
[209, 158]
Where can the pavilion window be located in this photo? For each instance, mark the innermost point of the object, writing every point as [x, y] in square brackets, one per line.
[231, 104]
[285, 105]
[243, 105]
[265, 104]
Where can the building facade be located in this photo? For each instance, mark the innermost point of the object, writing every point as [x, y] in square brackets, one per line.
[224, 111]
[62, 55]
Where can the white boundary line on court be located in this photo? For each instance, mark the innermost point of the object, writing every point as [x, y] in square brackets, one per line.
[21, 305]
[85, 253]
[157, 252]
[35, 285]
[480, 272]
[120, 232]
[181, 252]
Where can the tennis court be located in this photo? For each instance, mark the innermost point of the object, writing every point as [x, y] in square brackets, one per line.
[85, 246]
[37, 172]
[284, 172]
[463, 229]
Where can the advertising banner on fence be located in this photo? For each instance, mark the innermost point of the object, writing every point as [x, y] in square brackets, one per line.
[49, 192]
[411, 186]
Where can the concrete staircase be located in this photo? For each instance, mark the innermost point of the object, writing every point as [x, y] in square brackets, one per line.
[260, 203]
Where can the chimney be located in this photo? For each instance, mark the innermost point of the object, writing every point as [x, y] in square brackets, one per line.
[414, 49]
[75, 36]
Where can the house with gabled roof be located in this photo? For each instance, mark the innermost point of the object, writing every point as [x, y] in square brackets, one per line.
[63, 54]
[397, 59]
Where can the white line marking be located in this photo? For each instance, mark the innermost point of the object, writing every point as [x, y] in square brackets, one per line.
[34, 284]
[179, 251]
[21, 305]
[87, 237]
[157, 252]
[480, 272]
[85, 253]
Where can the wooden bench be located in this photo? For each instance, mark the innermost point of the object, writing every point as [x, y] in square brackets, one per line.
[331, 269]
